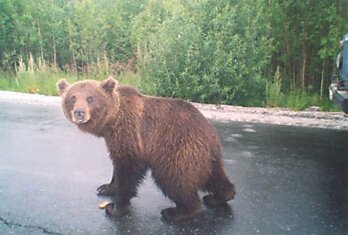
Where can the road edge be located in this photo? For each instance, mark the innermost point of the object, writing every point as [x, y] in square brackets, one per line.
[224, 113]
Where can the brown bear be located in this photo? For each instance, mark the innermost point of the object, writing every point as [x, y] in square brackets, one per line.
[168, 136]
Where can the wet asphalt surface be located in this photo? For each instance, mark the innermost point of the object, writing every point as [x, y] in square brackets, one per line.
[289, 180]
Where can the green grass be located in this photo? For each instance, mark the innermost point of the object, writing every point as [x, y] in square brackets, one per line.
[296, 99]
[38, 83]
[45, 82]
[299, 100]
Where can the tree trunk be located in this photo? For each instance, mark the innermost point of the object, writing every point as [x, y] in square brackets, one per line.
[304, 55]
[41, 47]
[322, 80]
[303, 70]
[54, 54]
[293, 82]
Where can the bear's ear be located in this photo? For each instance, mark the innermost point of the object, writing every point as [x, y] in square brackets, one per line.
[109, 84]
[62, 85]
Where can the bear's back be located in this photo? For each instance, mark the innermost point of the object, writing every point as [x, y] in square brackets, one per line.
[164, 124]
[174, 123]
[128, 91]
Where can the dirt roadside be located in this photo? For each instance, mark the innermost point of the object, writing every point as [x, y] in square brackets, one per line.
[277, 116]
[224, 113]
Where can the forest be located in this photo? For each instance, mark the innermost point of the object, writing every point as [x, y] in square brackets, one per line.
[273, 53]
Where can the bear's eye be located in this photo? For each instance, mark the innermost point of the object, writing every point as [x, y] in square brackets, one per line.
[73, 99]
[90, 99]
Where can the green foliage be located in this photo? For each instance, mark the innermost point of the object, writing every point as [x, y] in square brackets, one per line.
[306, 35]
[213, 51]
[65, 33]
[221, 62]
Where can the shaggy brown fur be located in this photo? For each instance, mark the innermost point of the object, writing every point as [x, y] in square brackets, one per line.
[169, 136]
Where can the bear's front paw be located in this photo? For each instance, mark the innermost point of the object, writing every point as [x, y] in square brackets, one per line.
[116, 211]
[106, 190]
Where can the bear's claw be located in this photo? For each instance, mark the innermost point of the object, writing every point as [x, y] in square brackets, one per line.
[106, 190]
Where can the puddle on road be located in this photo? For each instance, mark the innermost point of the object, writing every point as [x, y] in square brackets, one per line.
[233, 137]
[249, 128]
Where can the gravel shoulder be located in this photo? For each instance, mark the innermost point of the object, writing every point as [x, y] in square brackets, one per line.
[224, 113]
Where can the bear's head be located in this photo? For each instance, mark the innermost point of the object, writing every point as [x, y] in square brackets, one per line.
[89, 104]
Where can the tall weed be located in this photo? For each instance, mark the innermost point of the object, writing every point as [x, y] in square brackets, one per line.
[300, 100]
[274, 96]
[295, 99]
[34, 76]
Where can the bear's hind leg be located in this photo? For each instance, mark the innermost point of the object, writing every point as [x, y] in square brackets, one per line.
[186, 208]
[220, 188]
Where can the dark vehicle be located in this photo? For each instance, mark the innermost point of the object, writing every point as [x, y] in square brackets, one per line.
[338, 90]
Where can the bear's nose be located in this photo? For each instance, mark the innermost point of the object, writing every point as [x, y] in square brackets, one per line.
[79, 114]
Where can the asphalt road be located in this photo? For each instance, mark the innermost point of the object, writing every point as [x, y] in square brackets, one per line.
[289, 180]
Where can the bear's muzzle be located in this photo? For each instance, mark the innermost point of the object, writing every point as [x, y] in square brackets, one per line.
[79, 116]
